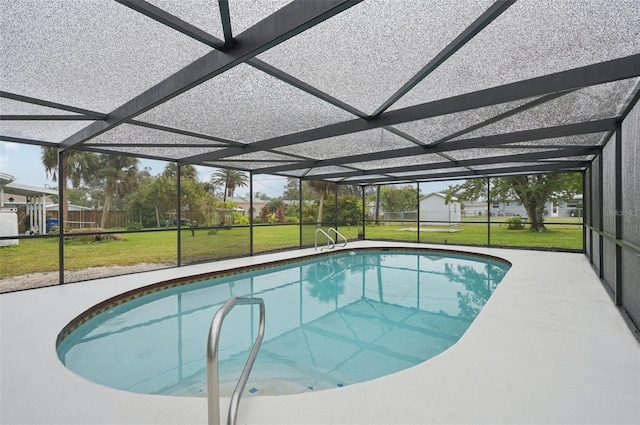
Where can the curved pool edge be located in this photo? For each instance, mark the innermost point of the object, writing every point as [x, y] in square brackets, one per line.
[490, 383]
[162, 285]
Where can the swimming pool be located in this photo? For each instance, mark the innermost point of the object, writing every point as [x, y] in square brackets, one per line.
[332, 320]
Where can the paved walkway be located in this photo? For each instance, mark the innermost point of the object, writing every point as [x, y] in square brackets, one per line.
[548, 348]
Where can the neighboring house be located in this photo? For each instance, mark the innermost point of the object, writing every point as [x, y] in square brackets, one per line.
[510, 208]
[28, 201]
[433, 208]
[245, 205]
[571, 208]
[371, 206]
[474, 209]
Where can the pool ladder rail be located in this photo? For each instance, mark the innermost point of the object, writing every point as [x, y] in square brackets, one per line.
[213, 378]
[331, 242]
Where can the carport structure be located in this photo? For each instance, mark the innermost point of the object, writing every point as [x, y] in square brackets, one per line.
[366, 93]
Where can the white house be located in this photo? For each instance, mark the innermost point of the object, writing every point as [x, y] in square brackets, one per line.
[474, 209]
[28, 201]
[433, 208]
[510, 208]
[245, 205]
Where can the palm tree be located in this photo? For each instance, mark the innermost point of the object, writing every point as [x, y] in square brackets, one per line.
[77, 166]
[232, 179]
[323, 188]
[120, 178]
[187, 171]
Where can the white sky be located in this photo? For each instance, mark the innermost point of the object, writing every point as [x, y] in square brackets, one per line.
[23, 162]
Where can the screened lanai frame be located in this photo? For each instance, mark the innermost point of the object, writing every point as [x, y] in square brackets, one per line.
[354, 92]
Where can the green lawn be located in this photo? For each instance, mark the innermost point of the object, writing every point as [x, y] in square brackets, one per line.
[41, 255]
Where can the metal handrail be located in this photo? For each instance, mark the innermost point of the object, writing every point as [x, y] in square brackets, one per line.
[213, 379]
[338, 234]
[330, 242]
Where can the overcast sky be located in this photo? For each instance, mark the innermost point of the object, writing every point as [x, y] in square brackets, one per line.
[23, 162]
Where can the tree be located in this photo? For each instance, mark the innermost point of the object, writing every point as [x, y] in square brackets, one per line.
[274, 204]
[292, 189]
[119, 174]
[349, 210]
[533, 191]
[78, 166]
[396, 199]
[231, 179]
[323, 189]
[187, 171]
[262, 196]
[153, 201]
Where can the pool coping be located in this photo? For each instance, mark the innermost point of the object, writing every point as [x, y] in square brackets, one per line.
[549, 333]
[153, 288]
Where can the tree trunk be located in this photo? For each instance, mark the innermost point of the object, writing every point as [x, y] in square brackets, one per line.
[63, 205]
[536, 212]
[105, 211]
[320, 208]
[157, 217]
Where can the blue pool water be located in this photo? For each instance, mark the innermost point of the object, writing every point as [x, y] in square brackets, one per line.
[331, 321]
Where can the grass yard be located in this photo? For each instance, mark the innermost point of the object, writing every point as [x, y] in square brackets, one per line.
[41, 254]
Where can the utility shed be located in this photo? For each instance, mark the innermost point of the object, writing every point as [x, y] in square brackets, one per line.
[436, 211]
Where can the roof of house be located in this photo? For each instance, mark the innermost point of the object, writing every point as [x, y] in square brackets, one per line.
[27, 190]
[441, 195]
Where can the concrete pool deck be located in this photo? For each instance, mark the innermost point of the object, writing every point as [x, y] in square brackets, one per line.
[548, 347]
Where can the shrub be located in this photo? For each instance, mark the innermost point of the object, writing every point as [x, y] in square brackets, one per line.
[515, 223]
[134, 226]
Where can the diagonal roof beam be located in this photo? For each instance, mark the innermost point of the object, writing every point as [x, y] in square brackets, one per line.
[471, 31]
[536, 169]
[521, 157]
[634, 96]
[477, 142]
[183, 132]
[94, 115]
[285, 23]
[515, 111]
[46, 118]
[27, 141]
[174, 22]
[604, 72]
[295, 82]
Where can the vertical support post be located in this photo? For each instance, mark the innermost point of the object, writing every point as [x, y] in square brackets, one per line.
[300, 209]
[336, 217]
[251, 216]
[179, 300]
[600, 215]
[590, 182]
[179, 212]
[418, 211]
[488, 212]
[43, 223]
[618, 194]
[30, 211]
[62, 179]
[364, 213]
[584, 202]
